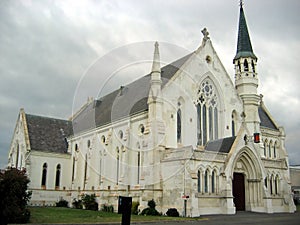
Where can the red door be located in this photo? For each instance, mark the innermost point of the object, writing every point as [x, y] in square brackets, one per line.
[238, 191]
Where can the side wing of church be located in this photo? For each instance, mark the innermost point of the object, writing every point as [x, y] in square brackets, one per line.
[184, 135]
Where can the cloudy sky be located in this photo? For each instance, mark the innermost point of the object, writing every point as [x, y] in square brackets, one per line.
[46, 47]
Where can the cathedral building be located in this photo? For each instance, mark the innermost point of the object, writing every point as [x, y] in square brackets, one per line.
[185, 135]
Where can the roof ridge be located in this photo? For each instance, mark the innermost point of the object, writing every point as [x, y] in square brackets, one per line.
[47, 117]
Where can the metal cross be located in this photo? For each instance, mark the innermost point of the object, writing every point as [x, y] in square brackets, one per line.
[241, 3]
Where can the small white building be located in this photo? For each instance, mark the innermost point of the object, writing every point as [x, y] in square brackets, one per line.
[208, 147]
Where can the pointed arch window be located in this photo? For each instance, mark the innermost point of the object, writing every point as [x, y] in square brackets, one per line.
[274, 150]
[85, 171]
[199, 181]
[139, 165]
[271, 185]
[57, 176]
[17, 156]
[246, 66]
[253, 66]
[233, 123]
[73, 169]
[276, 184]
[213, 182]
[270, 149]
[207, 113]
[118, 165]
[199, 136]
[265, 148]
[44, 175]
[179, 126]
[206, 182]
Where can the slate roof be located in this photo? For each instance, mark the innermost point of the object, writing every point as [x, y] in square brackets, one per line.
[265, 120]
[48, 134]
[221, 145]
[244, 47]
[126, 101]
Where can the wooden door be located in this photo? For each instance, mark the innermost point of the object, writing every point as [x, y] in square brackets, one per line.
[238, 191]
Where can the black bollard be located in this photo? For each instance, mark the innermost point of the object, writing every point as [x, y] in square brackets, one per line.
[124, 207]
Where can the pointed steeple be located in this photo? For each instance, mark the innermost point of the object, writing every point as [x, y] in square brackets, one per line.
[156, 59]
[244, 47]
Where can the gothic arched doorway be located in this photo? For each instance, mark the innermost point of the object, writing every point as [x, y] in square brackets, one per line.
[247, 181]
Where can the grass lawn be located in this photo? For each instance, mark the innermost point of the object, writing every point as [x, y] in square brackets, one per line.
[66, 215]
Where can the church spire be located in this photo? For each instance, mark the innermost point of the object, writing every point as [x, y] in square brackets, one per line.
[244, 47]
[156, 61]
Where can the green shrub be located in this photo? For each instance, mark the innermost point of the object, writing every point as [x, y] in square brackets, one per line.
[150, 211]
[14, 196]
[62, 203]
[107, 208]
[134, 208]
[77, 204]
[89, 202]
[172, 212]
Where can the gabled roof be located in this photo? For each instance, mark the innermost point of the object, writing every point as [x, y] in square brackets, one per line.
[265, 120]
[244, 47]
[48, 134]
[126, 101]
[221, 145]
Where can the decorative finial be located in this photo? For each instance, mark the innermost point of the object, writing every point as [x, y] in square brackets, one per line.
[205, 34]
[241, 3]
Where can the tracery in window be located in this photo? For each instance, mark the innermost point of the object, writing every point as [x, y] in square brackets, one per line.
[207, 113]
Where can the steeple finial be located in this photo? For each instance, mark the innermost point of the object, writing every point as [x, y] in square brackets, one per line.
[241, 3]
[244, 47]
[156, 59]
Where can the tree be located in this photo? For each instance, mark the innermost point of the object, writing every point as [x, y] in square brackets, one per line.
[14, 196]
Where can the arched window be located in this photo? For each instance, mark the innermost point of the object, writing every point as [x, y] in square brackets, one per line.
[246, 67]
[179, 126]
[210, 122]
[266, 182]
[239, 66]
[57, 176]
[73, 169]
[216, 123]
[274, 150]
[270, 149]
[199, 181]
[265, 148]
[17, 156]
[199, 136]
[233, 123]
[138, 167]
[276, 184]
[271, 184]
[85, 171]
[207, 113]
[204, 125]
[253, 66]
[206, 182]
[44, 175]
[213, 181]
[118, 164]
